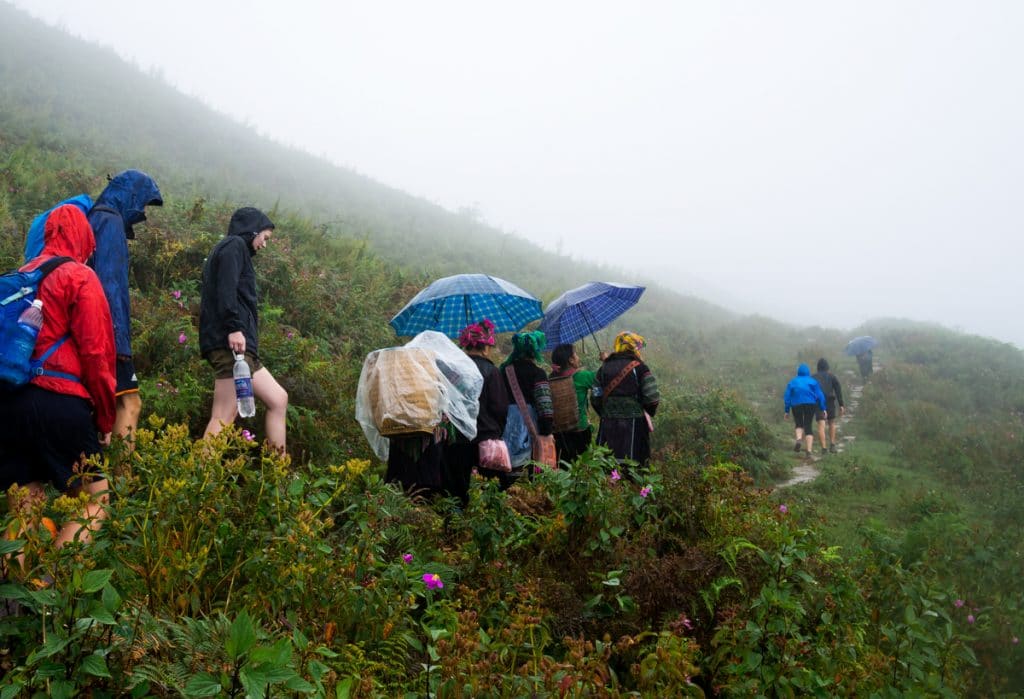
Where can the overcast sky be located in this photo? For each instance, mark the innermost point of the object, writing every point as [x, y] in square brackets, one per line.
[820, 162]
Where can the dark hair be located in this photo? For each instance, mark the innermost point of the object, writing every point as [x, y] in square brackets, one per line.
[822, 364]
[561, 355]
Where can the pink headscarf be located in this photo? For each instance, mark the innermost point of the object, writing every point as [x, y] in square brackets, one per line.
[477, 334]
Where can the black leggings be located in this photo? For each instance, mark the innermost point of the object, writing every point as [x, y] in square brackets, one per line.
[803, 416]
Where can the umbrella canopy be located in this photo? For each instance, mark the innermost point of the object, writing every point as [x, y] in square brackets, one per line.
[452, 303]
[860, 345]
[585, 310]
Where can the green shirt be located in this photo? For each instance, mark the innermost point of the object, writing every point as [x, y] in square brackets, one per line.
[583, 381]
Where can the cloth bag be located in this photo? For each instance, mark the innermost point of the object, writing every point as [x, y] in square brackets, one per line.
[542, 446]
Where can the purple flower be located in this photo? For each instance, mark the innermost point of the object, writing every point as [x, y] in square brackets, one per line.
[290, 334]
[783, 509]
[407, 557]
[249, 436]
[615, 475]
[645, 491]
[687, 623]
[176, 294]
[958, 603]
[182, 339]
[433, 581]
[1014, 640]
[970, 618]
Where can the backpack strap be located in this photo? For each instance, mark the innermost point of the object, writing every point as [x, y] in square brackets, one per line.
[618, 379]
[513, 382]
[37, 366]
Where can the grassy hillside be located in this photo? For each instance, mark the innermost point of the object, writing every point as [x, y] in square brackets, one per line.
[224, 570]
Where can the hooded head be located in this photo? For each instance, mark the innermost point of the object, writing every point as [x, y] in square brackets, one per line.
[247, 222]
[822, 364]
[527, 346]
[803, 370]
[129, 193]
[477, 335]
[68, 233]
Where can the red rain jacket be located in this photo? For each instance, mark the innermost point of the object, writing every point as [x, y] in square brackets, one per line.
[74, 304]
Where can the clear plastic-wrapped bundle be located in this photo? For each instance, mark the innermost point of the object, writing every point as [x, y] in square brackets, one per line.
[412, 388]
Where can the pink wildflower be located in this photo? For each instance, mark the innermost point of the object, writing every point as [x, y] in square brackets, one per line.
[958, 603]
[182, 339]
[970, 618]
[176, 294]
[615, 475]
[645, 491]
[249, 436]
[687, 623]
[433, 581]
[1014, 640]
[407, 557]
[290, 334]
[783, 509]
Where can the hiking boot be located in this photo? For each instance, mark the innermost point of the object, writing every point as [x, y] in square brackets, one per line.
[832, 449]
[798, 446]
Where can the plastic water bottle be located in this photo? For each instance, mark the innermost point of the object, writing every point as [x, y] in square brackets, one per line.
[243, 387]
[29, 323]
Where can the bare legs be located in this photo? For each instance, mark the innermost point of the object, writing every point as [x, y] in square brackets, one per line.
[129, 407]
[267, 390]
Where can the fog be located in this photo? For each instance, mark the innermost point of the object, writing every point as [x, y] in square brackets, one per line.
[821, 163]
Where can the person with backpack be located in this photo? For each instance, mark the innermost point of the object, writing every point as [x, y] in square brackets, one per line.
[53, 425]
[626, 397]
[526, 379]
[804, 397]
[574, 439]
[461, 455]
[833, 391]
[229, 324]
[120, 207]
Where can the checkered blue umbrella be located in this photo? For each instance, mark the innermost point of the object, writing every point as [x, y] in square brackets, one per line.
[450, 304]
[585, 310]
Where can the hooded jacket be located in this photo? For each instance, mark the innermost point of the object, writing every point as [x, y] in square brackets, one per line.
[121, 205]
[229, 296]
[803, 390]
[74, 305]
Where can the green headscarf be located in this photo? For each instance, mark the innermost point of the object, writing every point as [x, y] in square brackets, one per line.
[527, 346]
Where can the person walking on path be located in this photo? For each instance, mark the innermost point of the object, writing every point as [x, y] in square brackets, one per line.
[566, 363]
[228, 324]
[119, 208]
[866, 364]
[533, 383]
[463, 455]
[805, 398]
[833, 391]
[626, 397]
[49, 426]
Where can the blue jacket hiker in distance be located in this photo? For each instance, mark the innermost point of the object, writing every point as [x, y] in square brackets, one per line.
[804, 397]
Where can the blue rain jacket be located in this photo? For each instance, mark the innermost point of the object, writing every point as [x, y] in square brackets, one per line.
[121, 205]
[803, 389]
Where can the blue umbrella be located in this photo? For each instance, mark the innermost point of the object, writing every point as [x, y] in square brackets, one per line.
[860, 345]
[452, 303]
[585, 310]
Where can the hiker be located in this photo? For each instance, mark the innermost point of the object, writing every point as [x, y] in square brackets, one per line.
[228, 324]
[865, 362]
[565, 363]
[833, 391]
[532, 383]
[626, 397]
[461, 455]
[805, 398]
[49, 426]
[119, 208]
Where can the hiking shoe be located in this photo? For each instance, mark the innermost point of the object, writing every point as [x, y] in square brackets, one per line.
[797, 447]
[832, 449]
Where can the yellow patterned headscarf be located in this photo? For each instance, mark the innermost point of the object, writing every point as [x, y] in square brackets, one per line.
[629, 342]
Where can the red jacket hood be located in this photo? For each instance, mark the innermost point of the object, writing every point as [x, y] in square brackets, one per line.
[68, 233]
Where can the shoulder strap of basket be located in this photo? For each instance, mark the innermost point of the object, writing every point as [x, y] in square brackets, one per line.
[513, 382]
[618, 379]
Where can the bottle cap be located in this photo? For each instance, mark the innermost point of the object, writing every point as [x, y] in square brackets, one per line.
[239, 357]
[38, 303]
